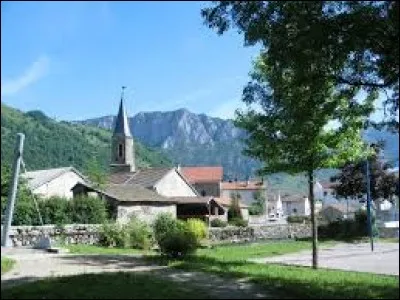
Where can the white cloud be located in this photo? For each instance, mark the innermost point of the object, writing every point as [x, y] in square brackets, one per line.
[33, 73]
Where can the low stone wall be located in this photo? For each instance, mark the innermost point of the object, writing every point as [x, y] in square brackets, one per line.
[388, 232]
[88, 234]
[70, 234]
[254, 233]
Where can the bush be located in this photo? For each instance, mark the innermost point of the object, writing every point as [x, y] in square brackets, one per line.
[238, 222]
[163, 223]
[218, 223]
[113, 235]
[179, 241]
[54, 210]
[88, 210]
[139, 234]
[298, 219]
[173, 236]
[198, 228]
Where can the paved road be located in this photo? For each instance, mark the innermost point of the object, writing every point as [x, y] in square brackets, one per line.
[33, 265]
[351, 257]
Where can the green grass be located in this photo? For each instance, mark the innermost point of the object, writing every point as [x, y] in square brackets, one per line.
[91, 249]
[290, 281]
[104, 286]
[6, 264]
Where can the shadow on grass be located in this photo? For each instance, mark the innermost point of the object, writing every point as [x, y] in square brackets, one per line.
[296, 281]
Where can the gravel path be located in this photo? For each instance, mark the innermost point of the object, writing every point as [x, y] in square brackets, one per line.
[33, 265]
[350, 257]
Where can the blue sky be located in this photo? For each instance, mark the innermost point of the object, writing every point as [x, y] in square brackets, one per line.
[71, 59]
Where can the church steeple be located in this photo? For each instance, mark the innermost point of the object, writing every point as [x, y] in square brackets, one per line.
[121, 123]
[122, 150]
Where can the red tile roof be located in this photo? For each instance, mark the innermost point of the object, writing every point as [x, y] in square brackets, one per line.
[242, 185]
[202, 174]
[226, 202]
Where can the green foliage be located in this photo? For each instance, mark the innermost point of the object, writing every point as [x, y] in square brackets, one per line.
[113, 235]
[50, 144]
[218, 223]
[173, 236]
[55, 210]
[198, 228]
[96, 174]
[257, 207]
[179, 241]
[360, 51]
[238, 222]
[353, 182]
[234, 209]
[298, 219]
[161, 225]
[139, 234]
[88, 210]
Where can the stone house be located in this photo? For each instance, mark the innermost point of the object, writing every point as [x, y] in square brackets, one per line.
[54, 182]
[338, 211]
[245, 189]
[206, 180]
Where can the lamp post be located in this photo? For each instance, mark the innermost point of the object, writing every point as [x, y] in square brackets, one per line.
[209, 217]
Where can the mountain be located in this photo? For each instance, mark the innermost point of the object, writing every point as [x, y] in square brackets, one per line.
[196, 139]
[50, 144]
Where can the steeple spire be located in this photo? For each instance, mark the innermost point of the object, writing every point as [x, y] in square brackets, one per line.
[121, 123]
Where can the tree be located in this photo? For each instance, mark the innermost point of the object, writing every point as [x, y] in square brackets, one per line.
[258, 206]
[234, 209]
[355, 42]
[352, 179]
[294, 136]
[96, 174]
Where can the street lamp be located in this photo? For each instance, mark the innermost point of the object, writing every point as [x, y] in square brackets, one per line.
[209, 217]
[369, 217]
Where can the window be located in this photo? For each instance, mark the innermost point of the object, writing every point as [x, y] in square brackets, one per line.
[203, 193]
[325, 193]
[120, 150]
[294, 210]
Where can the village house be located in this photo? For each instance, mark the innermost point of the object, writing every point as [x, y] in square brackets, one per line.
[245, 189]
[205, 179]
[53, 182]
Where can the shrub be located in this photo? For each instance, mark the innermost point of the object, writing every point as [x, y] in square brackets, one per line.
[54, 210]
[88, 210]
[113, 235]
[139, 234]
[234, 210]
[238, 222]
[179, 241]
[198, 228]
[218, 223]
[163, 223]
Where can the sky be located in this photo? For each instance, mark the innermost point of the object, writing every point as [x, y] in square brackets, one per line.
[70, 59]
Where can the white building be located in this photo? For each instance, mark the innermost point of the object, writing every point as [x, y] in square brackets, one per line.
[54, 182]
[245, 189]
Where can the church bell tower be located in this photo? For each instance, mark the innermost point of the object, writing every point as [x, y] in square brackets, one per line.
[122, 150]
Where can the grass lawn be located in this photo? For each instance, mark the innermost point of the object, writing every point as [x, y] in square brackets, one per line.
[104, 286]
[6, 264]
[92, 249]
[290, 281]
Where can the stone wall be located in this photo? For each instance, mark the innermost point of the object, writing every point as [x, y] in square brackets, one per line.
[88, 234]
[70, 234]
[253, 233]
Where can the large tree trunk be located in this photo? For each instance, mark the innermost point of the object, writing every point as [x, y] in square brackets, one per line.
[313, 220]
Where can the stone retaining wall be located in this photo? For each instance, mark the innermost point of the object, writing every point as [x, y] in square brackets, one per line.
[88, 234]
[70, 234]
[253, 233]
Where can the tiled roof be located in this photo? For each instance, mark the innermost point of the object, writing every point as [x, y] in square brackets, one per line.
[342, 207]
[40, 177]
[202, 174]
[329, 185]
[226, 202]
[242, 185]
[128, 193]
[144, 177]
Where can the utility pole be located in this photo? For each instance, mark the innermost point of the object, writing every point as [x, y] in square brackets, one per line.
[5, 241]
[369, 216]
